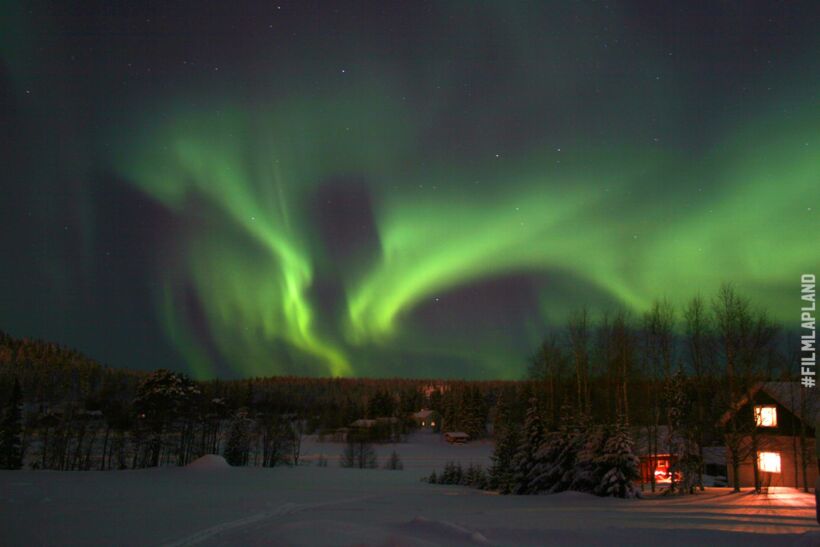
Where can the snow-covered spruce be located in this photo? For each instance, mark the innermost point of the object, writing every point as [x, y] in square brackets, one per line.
[527, 455]
[501, 475]
[588, 470]
[453, 473]
[619, 465]
[554, 468]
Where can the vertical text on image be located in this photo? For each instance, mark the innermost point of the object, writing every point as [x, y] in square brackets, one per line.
[808, 337]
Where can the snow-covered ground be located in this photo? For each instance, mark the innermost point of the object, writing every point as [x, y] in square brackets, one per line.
[310, 505]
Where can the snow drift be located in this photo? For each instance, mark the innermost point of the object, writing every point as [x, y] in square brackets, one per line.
[208, 462]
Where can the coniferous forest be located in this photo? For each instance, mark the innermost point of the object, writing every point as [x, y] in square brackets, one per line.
[568, 424]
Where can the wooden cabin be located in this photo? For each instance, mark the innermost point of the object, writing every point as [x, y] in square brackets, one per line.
[456, 437]
[776, 425]
[660, 465]
[653, 450]
[427, 420]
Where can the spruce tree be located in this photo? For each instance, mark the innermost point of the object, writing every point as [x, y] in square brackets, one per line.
[619, 465]
[502, 471]
[554, 467]
[452, 474]
[500, 476]
[681, 441]
[11, 430]
[474, 477]
[473, 413]
[525, 459]
[588, 469]
[238, 444]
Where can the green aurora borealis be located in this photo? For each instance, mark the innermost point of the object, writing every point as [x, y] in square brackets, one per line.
[385, 221]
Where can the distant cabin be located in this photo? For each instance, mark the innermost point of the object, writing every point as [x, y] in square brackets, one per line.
[456, 437]
[426, 419]
[777, 424]
[652, 446]
[659, 465]
[653, 454]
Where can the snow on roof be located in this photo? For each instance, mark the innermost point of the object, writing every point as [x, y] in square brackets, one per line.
[793, 396]
[640, 436]
[423, 414]
[803, 403]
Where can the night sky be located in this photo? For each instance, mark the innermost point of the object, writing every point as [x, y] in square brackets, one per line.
[395, 189]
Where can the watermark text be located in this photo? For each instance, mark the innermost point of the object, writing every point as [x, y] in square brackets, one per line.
[808, 331]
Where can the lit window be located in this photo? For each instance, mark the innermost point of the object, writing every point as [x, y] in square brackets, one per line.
[769, 462]
[432, 424]
[766, 416]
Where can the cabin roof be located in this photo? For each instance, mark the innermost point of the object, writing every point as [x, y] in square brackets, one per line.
[640, 438]
[803, 403]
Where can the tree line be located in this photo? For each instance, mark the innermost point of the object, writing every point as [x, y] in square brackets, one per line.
[671, 373]
[65, 411]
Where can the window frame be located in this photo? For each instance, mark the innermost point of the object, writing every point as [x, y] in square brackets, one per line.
[773, 456]
[757, 412]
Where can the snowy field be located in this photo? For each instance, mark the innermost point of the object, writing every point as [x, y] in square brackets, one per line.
[313, 505]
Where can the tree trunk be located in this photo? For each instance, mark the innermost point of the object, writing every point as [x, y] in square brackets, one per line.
[105, 447]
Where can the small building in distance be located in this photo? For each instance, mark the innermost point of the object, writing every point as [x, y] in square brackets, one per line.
[456, 437]
[653, 451]
[427, 420]
[776, 425]
[660, 465]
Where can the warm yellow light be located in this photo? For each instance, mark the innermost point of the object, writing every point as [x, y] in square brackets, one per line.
[766, 416]
[769, 462]
[432, 424]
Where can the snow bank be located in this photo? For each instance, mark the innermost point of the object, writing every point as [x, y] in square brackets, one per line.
[208, 462]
